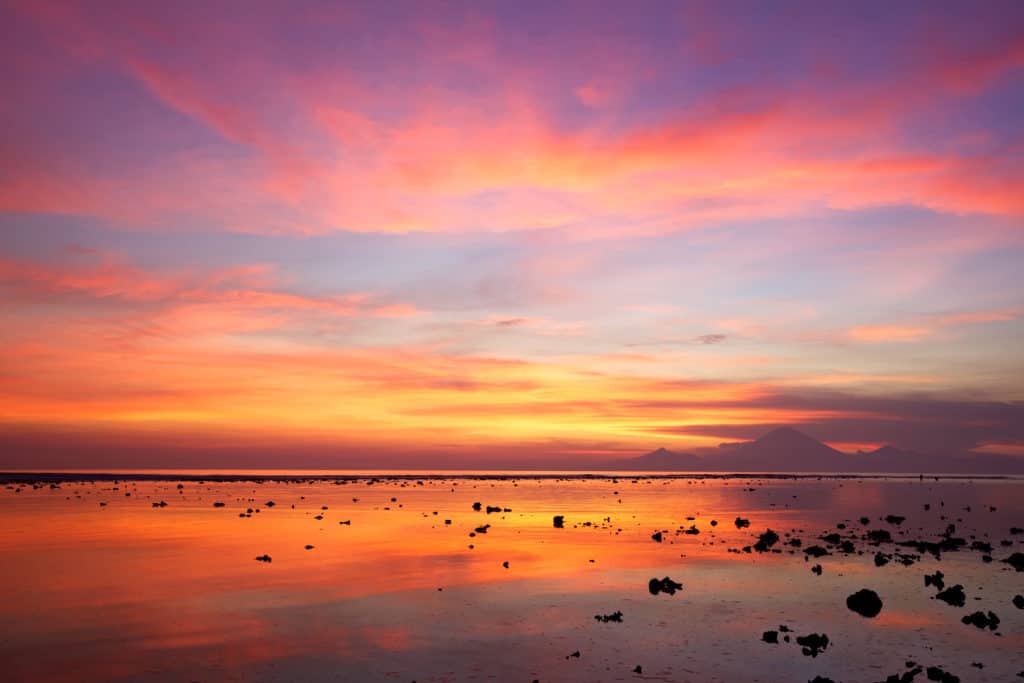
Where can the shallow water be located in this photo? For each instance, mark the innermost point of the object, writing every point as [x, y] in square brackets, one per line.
[126, 591]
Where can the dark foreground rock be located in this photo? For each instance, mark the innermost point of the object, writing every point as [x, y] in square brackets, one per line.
[665, 585]
[982, 620]
[812, 644]
[615, 616]
[953, 595]
[865, 602]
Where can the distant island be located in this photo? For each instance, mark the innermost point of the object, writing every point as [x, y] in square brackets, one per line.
[789, 450]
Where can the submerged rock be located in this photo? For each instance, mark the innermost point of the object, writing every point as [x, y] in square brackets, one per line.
[865, 602]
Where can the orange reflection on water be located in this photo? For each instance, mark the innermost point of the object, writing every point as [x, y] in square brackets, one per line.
[127, 591]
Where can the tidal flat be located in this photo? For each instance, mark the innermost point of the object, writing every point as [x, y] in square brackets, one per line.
[475, 578]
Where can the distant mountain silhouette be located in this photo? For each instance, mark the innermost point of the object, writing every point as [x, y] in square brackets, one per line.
[789, 450]
[663, 460]
[783, 450]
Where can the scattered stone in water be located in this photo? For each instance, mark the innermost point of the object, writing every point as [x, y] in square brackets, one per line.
[813, 644]
[309, 547]
[1016, 561]
[742, 523]
[615, 616]
[865, 602]
[816, 569]
[894, 519]
[638, 669]
[934, 580]
[937, 674]
[477, 506]
[770, 637]
[882, 559]
[665, 585]
[656, 536]
[1018, 601]
[575, 654]
[816, 551]
[766, 541]
[505, 564]
[982, 620]
[879, 536]
[264, 558]
[559, 521]
[953, 596]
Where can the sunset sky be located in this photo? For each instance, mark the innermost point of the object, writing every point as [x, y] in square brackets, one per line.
[313, 234]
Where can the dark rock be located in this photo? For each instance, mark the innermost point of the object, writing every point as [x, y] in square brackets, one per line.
[742, 523]
[937, 674]
[865, 602]
[982, 620]
[934, 580]
[264, 558]
[1018, 601]
[656, 536]
[815, 551]
[309, 547]
[816, 569]
[575, 654]
[821, 679]
[559, 521]
[615, 616]
[638, 669]
[1016, 561]
[665, 585]
[879, 536]
[770, 637]
[882, 559]
[218, 504]
[813, 644]
[894, 519]
[953, 596]
[477, 506]
[766, 541]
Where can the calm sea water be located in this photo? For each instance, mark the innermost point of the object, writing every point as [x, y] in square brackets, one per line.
[98, 585]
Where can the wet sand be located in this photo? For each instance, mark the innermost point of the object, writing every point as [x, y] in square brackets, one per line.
[404, 580]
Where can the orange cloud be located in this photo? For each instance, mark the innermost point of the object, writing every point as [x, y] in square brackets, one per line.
[888, 333]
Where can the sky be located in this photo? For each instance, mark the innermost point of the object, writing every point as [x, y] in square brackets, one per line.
[313, 234]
